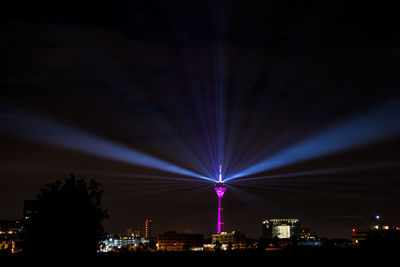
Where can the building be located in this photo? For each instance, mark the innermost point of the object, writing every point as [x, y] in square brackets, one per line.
[304, 233]
[280, 228]
[8, 227]
[339, 243]
[173, 241]
[309, 241]
[133, 233]
[30, 209]
[236, 240]
[147, 228]
[379, 233]
[11, 231]
[115, 242]
[359, 237]
[10, 235]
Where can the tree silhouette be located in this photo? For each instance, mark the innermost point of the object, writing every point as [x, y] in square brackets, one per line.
[68, 219]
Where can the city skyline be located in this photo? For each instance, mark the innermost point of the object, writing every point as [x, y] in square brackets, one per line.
[374, 222]
[277, 234]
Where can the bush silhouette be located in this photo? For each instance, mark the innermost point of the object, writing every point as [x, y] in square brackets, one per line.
[67, 220]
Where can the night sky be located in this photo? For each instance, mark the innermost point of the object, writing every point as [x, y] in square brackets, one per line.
[183, 81]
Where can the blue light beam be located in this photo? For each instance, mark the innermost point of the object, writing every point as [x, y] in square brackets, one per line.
[381, 123]
[346, 169]
[47, 131]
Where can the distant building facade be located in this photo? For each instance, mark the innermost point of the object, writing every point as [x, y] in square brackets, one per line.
[133, 233]
[280, 228]
[30, 209]
[236, 239]
[117, 241]
[173, 241]
[378, 232]
[304, 233]
[362, 236]
[10, 233]
[10, 227]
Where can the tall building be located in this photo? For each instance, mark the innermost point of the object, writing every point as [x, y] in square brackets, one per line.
[8, 227]
[280, 228]
[147, 228]
[173, 241]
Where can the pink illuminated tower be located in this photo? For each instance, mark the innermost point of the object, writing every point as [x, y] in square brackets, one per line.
[220, 190]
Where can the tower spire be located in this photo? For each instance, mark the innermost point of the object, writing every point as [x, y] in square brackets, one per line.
[220, 174]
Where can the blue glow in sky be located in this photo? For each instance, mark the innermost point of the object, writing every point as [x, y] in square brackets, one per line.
[53, 133]
[380, 123]
[347, 169]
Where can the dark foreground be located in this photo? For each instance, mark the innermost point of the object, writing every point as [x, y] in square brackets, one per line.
[319, 256]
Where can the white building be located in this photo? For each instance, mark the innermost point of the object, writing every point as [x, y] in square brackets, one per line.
[280, 228]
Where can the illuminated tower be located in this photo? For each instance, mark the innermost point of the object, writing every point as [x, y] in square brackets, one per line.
[220, 190]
